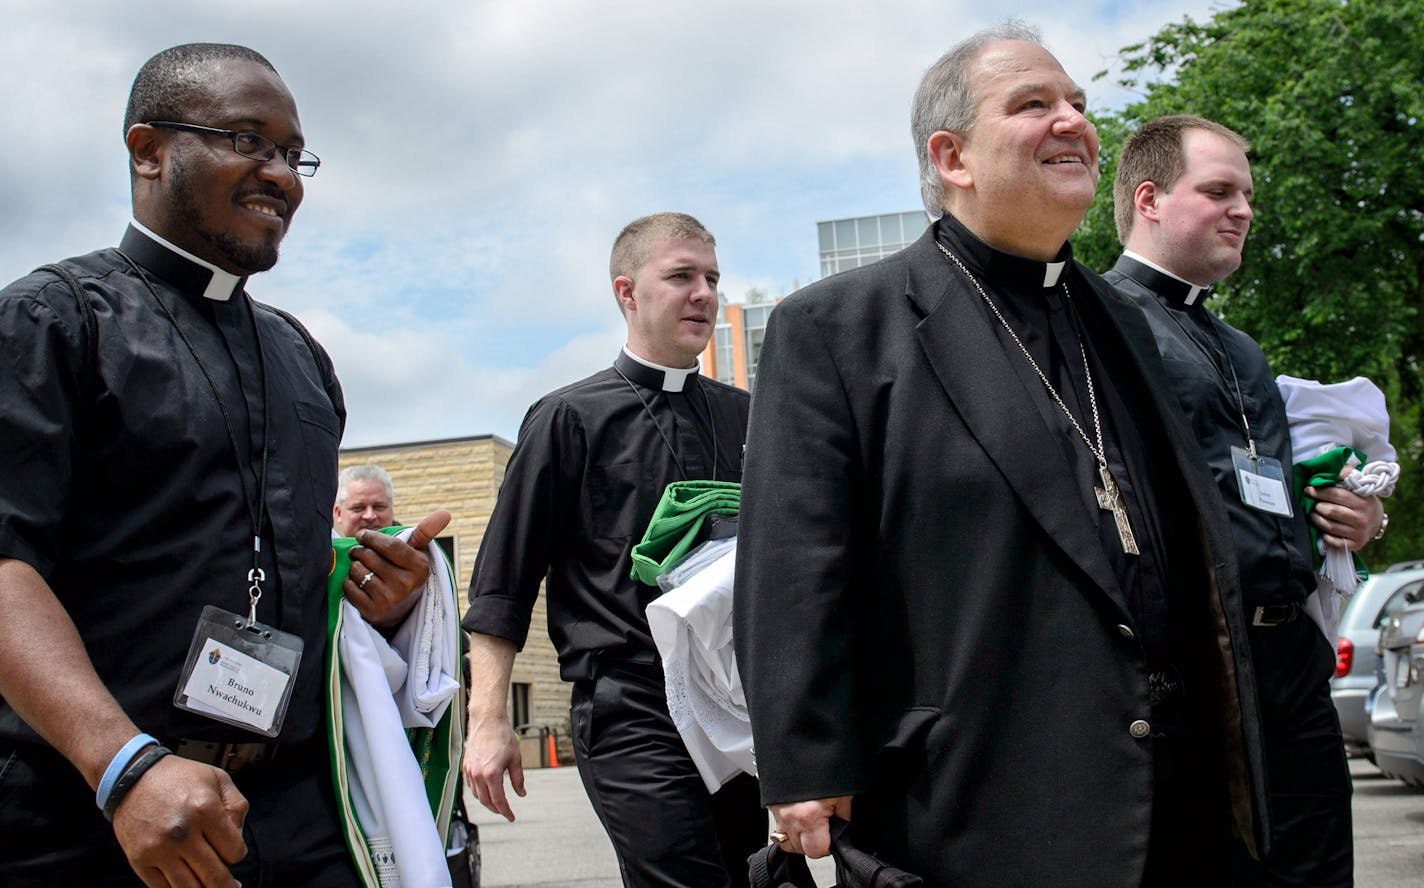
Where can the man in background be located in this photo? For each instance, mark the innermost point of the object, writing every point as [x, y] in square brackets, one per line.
[365, 498]
[589, 467]
[1182, 201]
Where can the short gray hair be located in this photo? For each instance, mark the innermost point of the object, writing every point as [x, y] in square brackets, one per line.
[364, 473]
[946, 101]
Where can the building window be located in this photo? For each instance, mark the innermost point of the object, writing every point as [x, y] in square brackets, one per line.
[519, 703]
[851, 243]
[754, 330]
[726, 372]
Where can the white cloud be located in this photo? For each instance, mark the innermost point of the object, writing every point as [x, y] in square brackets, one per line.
[479, 156]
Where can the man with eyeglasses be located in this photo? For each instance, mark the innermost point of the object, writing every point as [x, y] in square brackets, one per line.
[170, 453]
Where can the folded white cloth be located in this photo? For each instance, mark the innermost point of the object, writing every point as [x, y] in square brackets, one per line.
[429, 640]
[692, 628]
[1324, 416]
[385, 689]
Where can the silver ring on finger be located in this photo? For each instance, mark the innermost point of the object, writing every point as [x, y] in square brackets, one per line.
[361, 583]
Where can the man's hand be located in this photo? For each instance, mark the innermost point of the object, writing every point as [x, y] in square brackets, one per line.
[385, 571]
[808, 824]
[490, 751]
[1345, 520]
[181, 825]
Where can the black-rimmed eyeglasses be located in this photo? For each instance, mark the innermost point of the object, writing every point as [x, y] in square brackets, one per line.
[253, 145]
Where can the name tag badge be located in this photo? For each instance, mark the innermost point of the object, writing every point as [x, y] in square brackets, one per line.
[1262, 481]
[238, 674]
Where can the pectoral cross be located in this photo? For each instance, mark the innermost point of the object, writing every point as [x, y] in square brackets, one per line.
[1110, 500]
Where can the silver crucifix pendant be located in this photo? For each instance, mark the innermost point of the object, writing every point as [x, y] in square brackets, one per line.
[1110, 500]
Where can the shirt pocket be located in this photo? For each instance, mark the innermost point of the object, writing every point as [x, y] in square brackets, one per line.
[319, 440]
[621, 497]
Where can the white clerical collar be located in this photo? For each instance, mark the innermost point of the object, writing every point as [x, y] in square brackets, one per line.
[222, 285]
[1193, 293]
[1052, 271]
[673, 377]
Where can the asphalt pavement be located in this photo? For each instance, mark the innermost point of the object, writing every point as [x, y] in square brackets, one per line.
[557, 842]
[1389, 830]
[555, 839]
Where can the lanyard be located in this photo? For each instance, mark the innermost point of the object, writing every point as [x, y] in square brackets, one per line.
[667, 442]
[1216, 365]
[256, 512]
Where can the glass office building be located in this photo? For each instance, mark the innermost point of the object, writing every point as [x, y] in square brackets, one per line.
[851, 243]
[732, 355]
[735, 350]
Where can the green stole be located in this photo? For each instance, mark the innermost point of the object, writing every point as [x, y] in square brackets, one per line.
[1324, 470]
[437, 749]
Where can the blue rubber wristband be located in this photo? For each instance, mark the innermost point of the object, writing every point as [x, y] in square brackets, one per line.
[117, 765]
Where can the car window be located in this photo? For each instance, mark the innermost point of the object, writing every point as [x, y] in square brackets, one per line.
[1404, 595]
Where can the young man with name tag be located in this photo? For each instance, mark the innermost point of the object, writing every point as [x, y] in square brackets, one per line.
[1183, 207]
[169, 447]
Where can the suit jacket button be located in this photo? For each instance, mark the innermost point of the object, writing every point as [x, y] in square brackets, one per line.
[1126, 632]
[1139, 729]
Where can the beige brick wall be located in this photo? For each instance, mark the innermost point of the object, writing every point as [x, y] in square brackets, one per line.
[463, 476]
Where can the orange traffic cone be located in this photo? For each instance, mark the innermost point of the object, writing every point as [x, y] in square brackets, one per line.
[552, 748]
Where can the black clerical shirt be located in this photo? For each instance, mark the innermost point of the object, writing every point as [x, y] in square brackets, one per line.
[122, 486]
[590, 464]
[1210, 363]
[1051, 324]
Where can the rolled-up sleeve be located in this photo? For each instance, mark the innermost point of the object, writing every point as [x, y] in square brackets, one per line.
[527, 522]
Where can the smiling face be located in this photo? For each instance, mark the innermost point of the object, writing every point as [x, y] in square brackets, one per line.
[670, 304]
[203, 196]
[1197, 229]
[365, 506]
[1024, 174]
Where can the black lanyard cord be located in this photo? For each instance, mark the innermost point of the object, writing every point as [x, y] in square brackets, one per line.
[677, 461]
[1216, 365]
[256, 512]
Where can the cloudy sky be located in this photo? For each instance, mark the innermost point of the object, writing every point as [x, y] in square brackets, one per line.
[479, 157]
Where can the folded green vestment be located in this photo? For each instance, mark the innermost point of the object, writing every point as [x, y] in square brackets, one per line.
[676, 524]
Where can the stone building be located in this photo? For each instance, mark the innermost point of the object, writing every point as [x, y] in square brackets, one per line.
[463, 475]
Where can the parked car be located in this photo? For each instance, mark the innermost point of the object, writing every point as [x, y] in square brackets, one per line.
[1396, 732]
[1378, 598]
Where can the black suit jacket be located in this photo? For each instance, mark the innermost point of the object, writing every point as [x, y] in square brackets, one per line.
[925, 618]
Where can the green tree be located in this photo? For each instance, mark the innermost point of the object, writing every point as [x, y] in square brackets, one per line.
[1330, 95]
[1095, 244]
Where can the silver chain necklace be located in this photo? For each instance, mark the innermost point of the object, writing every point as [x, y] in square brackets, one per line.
[1108, 496]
